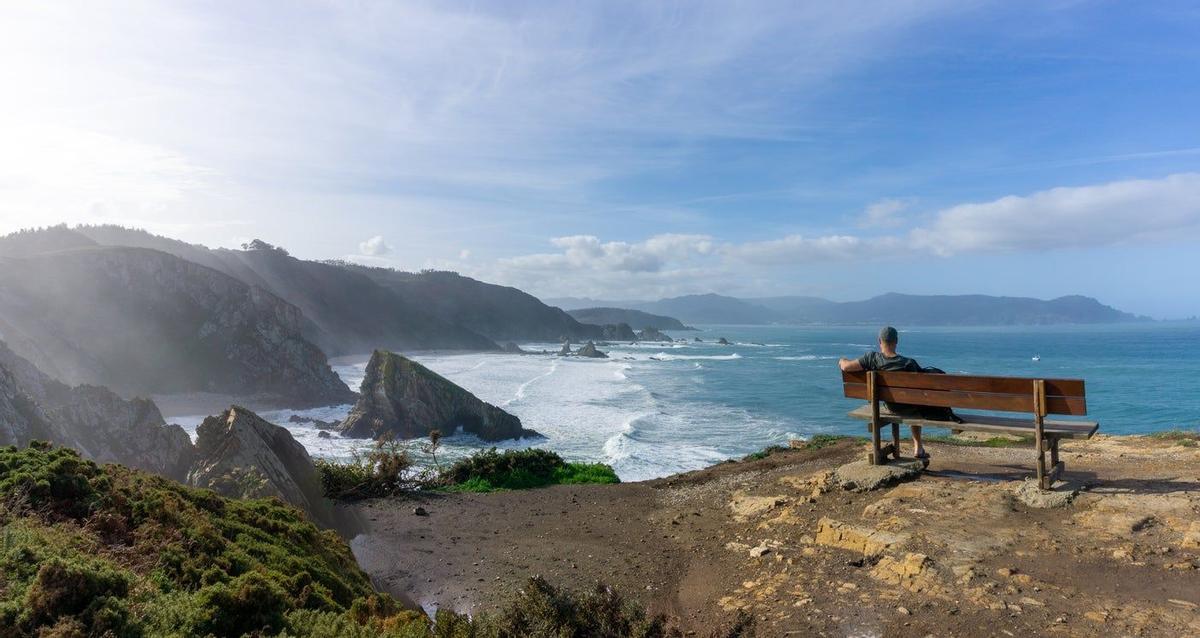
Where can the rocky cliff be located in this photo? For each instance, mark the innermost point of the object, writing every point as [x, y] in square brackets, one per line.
[101, 425]
[241, 455]
[330, 296]
[501, 313]
[404, 399]
[651, 334]
[145, 322]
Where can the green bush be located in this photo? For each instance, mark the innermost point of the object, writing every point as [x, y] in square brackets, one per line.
[489, 470]
[387, 469]
[544, 611]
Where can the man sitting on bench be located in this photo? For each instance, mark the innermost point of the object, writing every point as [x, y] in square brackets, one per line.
[888, 360]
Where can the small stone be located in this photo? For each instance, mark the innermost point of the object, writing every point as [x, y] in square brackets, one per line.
[420, 511]
[1006, 571]
[759, 551]
[904, 610]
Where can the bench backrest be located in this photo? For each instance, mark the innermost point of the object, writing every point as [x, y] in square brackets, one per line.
[1002, 394]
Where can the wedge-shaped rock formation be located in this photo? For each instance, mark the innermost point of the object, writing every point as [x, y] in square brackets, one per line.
[93, 420]
[404, 399]
[241, 455]
[589, 350]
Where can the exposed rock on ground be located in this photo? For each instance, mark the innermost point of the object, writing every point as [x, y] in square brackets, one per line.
[861, 476]
[565, 351]
[951, 552]
[404, 399]
[1030, 494]
[239, 454]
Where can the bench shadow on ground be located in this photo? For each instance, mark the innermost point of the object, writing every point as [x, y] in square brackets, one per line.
[1087, 480]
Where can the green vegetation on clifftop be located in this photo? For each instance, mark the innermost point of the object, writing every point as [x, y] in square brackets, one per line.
[88, 550]
[388, 470]
[490, 470]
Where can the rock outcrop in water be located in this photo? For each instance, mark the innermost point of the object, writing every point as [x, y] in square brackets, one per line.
[241, 455]
[589, 350]
[653, 334]
[93, 420]
[404, 399]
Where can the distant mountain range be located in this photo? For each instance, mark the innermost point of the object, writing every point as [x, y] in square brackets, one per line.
[893, 308]
[636, 319]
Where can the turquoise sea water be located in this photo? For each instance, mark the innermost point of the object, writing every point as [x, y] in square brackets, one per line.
[655, 409]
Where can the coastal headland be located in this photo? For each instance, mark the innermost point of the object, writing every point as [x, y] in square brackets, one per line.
[956, 551]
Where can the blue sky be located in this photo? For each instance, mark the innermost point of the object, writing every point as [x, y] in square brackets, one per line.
[632, 149]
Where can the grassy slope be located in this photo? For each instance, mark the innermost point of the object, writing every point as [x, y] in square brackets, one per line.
[86, 550]
[89, 550]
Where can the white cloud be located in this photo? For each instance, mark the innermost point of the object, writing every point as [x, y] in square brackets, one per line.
[1130, 211]
[884, 213]
[1068, 217]
[374, 247]
[799, 249]
[587, 252]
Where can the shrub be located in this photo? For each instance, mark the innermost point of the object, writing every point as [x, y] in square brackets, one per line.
[541, 610]
[489, 470]
[384, 471]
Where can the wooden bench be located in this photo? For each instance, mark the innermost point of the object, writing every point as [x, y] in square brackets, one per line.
[1037, 397]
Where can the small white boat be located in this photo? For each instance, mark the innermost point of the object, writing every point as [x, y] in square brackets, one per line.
[1037, 357]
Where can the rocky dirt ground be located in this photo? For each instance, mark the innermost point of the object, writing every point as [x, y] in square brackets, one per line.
[953, 551]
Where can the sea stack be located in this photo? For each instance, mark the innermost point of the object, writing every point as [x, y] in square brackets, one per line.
[589, 350]
[653, 334]
[404, 399]
[241, 455]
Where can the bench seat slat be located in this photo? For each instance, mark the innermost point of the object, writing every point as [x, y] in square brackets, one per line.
[967, 383]
[986, 423]
[968, 400]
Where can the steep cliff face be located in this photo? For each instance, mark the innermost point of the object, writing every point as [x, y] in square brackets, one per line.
[239, 454]
[500, 313]
[144, 322]
[405, 399]
[331, 297]
[101, 425]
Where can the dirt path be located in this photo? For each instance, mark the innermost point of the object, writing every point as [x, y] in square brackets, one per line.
[952, 553]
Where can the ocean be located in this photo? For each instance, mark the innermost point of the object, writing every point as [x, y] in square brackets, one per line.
[656, 409]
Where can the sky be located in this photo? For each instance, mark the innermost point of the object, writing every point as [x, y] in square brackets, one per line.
[633, 149]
